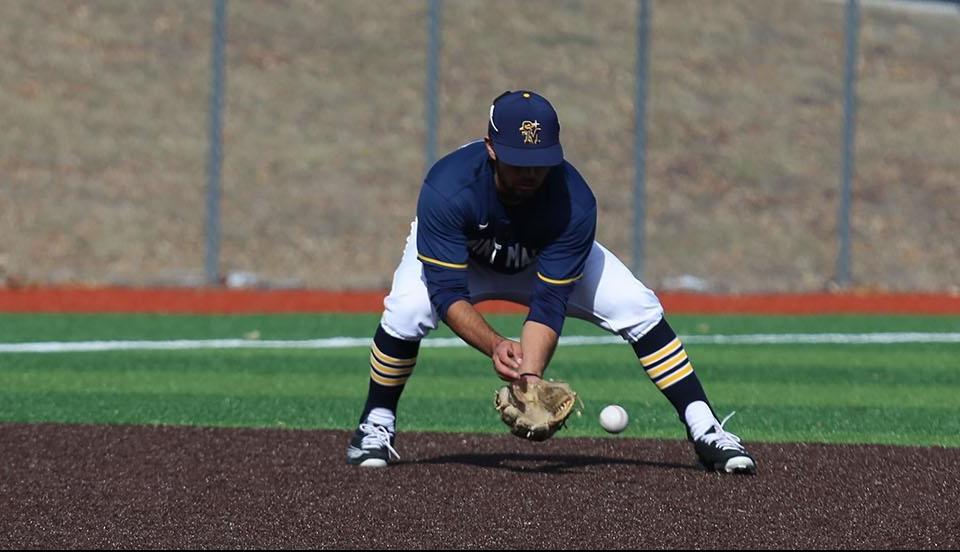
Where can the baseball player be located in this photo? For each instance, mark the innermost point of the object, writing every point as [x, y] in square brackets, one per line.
[508, 218]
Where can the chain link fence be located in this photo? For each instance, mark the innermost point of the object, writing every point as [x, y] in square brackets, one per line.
[104, 107]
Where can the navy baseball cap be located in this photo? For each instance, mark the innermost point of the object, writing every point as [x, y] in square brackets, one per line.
[525, 130]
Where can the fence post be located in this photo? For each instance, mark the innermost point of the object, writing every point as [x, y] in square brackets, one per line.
[433, 83]
[851, 35]
[215, 153]
[640, 138]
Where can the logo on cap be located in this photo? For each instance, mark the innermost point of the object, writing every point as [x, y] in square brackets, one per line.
[530, 132]
[530, 128]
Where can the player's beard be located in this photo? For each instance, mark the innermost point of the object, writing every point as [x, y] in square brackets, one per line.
[510, 192]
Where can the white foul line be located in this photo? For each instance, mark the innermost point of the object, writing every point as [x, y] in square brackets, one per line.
[444, 342]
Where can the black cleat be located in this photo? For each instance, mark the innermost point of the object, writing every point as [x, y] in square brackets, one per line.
[720, 450]
[371, 447]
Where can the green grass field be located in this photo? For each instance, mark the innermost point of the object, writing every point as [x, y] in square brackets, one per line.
[833, 393]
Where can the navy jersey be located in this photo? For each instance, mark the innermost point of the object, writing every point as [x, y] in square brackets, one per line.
[461, 221]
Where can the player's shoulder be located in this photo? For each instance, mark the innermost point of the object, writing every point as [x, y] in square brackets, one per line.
[453, 188]
[580, 193]
[458, 170]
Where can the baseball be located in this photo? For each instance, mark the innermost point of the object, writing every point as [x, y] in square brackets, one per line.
[614, 418]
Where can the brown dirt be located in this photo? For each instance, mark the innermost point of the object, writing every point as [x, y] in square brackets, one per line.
[175, 487]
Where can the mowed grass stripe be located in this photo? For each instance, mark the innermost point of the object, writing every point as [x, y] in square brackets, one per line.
[882, 338]
[890, 425]
[901, 365]
[18, 328]
[322, 384]
[870, 376]
[276, 362]
[897, 394]
[904, 364]
[195, 382]
[87, 327]
[228, 410]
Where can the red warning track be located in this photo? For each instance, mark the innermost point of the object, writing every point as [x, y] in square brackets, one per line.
[227, 301]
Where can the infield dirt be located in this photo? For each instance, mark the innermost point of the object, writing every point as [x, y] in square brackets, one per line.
[82, 486]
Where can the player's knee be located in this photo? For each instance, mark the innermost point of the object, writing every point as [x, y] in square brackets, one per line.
[642, 315]
[408, 320]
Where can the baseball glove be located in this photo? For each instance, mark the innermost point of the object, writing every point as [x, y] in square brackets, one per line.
[535, 408]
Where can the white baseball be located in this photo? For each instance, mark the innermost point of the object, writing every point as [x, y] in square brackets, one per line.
[614, 418]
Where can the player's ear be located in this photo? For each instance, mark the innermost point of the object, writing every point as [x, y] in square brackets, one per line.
[489, 143]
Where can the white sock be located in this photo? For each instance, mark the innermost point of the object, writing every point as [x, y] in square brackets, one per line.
[699, 418]
[383, 417]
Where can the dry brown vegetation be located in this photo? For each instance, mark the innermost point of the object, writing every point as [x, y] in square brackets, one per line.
[103, 106]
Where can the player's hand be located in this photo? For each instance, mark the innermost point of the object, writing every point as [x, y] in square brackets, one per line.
[507, 357]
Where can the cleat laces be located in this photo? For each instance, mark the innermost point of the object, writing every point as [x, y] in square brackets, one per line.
[376, 437]
[723, 439]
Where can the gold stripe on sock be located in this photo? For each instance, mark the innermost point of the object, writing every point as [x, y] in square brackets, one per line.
[664, 351]
[388, 382]
[388, 370]
[675, 377]
[668, 365]
[392, 360]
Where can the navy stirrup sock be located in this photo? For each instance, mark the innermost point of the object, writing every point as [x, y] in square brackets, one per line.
[664, 359]
[391, 362]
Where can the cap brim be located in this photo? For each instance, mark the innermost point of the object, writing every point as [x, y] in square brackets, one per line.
[529, 157]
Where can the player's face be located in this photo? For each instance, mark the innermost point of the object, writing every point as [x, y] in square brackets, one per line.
[516, 184]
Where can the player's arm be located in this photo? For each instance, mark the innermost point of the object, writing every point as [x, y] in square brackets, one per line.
[442, 248]
[473, 328]
[561, 265]
[538, 342]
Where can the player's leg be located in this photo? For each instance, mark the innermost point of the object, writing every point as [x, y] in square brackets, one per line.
[407, 318]
[608, 295]
[611, 297]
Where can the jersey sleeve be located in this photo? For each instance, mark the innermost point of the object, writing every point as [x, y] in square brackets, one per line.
[442, 248]
[560, 265]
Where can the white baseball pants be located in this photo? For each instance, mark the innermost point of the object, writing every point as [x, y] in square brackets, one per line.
[608, 295]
